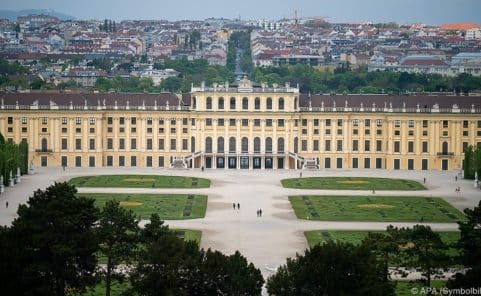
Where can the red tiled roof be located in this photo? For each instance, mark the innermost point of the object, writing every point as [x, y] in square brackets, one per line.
[459, 26]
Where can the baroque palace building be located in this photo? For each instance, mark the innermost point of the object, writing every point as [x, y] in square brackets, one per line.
[243, 126]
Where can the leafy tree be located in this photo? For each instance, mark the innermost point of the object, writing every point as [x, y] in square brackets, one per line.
[52, 243]
[226, 275]
[422, 248]
[472, 162]
[163, 267]
[468, 162]
[331, 269]
[23, 161]
[167, 265]
[470, 247]
[10, 69]
[153, 230]
[172, 84]
[117, 233]
[384, 246]
[37, 84]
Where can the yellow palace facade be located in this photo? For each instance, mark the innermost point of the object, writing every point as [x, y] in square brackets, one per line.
[243, 126]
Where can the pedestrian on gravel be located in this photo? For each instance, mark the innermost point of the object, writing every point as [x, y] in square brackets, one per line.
[424, 180]
[456, 178]
[238, 206]
[257, 213]
[260, 212]
[6, 204]
[233, 205]
[300, 175]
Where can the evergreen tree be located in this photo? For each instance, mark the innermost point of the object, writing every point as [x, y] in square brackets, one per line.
[331, 269]
[470, 247]
[51, 245]
[117, 233]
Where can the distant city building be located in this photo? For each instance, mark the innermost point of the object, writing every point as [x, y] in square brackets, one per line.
[37, 20]
[158, 76]
[469, 63]
[310, 60]
[85, 76]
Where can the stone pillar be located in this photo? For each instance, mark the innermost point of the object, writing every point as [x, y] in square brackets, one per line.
[17, 177]
[2, 187]
[10, 180]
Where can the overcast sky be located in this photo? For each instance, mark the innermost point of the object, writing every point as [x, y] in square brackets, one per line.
[401, 11]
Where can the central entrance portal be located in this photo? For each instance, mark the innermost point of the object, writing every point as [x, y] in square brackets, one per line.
[244, 162]
[232, 162]
[256, 162]
[268, 163]
[220, 162]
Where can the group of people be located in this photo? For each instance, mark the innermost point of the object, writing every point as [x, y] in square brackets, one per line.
[457, 190]
[236, 206]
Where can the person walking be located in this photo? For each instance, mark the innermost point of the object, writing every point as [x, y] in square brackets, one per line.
[238, 206]
[257, 213]
[456, 178]
[233, 205]
[424, 180]
[300, 175]
[6, 204]
[260, 212]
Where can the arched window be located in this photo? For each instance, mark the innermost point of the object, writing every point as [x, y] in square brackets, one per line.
[208, 103]
[268, 145]
[445, 148]
[280, 145]
[296, 144]
[232, 103]
[208, 145]
[245, 103]
[192, 144]
[257, 145]
[220, 105]
[44, 144]
[257, 104]
[281, 104]
[220, 145]
[245, 145]
[232, 144]
[269, 104]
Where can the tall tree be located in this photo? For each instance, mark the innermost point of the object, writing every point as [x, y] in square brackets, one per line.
[54, 242]
[384, 246]
[470, 247]
[331, 269]
[468, 162]
[422, 248]
[117, 233]
[106, 25]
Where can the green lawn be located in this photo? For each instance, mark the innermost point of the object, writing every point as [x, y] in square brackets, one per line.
[315, 237]
[352, 183]
[186, 234]
[374, 208]
[189, 234]
[408, 288]
[140, 181]
[168, 206]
